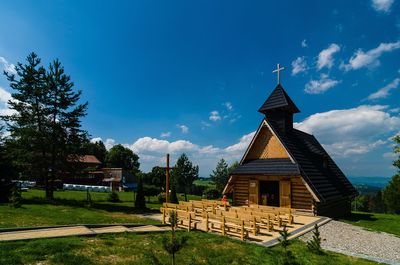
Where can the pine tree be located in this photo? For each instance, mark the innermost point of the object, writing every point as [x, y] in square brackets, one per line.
[314, 245]
[45, 124]
[183, 174]
[140, 201]
[220, 175]
[288, 257]
[175, 244]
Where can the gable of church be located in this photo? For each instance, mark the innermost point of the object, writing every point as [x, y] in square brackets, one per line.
[266, 145]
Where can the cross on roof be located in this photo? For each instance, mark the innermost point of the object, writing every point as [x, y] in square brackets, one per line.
[278, 70]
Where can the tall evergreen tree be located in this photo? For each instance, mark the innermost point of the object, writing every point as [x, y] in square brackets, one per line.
[45, 124]
[65, 133]
[391, 193]
[220, 175]
[184, 174]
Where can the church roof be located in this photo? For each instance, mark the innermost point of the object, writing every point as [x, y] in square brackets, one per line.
[316, 166]
[272, 166]
[279, 100]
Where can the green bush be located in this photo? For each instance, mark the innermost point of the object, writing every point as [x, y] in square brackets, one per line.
[15, 198]
[211, 193]
[113, 197]
[161, 197]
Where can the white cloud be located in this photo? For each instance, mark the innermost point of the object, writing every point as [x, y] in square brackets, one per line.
[96, 140]
[8, 67]
[390, 155]
[382, 5]
[320, 86]
[161, 146]
[204, 125]
[5, 96]
[325, 57]
[370, 58]
[242, 144]
[165, 134]
[109, 143]
[299, 65]
[184, 128]
[351, 131]
[385, 91]
[304, 43]
[214, 116]
[395, 110]
[228, 106]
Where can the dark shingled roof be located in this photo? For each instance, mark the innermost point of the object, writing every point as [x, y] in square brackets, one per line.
[316, 166]
[279, 100]
[272, 166]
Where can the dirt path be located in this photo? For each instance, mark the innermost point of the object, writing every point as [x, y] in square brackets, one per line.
[355, 241]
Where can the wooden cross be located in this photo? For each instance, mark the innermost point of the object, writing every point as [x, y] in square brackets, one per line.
[167, 169]
[278, 70]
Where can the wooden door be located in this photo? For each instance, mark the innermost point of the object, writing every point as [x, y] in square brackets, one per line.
[253, 191]
[284, 190]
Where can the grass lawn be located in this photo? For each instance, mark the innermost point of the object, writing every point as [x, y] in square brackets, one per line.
[202, 248]
[69, 207]
[389, 223]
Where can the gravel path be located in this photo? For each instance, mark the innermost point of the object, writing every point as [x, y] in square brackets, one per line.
[355, 241]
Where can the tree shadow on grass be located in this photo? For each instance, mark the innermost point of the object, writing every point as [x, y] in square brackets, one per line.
[105, 206]
[355, 217]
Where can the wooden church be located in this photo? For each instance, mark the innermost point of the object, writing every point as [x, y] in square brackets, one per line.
[286, 167]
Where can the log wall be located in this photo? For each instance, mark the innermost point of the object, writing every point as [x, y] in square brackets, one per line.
[300, 197]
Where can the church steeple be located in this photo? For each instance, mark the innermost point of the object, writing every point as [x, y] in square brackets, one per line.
[279, 107]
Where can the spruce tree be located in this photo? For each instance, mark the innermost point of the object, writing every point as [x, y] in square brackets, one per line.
[183, 174]
[220, 175]
[175, 244]
[314, 245]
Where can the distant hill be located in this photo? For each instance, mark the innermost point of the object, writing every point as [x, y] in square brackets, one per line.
[379, 182]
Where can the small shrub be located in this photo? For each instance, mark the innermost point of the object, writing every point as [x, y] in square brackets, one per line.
[314, 245]
[211, 193]
[175, 244]
[15, 198]
[287, 258]
[140, 201]
[161, 197]
[113, 197]
[173, 198]
[89, 202]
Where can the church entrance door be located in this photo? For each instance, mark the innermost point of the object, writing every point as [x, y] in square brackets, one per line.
[269, 193]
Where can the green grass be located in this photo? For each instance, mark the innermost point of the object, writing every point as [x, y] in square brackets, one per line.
[202, 248]
[202, 182]
[389, 223]
[69, 207]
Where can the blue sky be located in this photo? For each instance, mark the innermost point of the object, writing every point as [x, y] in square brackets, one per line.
[185, 76]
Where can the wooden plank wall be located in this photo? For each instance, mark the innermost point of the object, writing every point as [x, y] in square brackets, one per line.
[241, 191]
[266, 145]
[301, 197]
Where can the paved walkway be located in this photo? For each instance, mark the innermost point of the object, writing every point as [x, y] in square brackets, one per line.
[355, 241]
[79, 230]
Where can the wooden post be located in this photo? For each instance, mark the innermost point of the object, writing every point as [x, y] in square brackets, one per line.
[223, 225]
[255, 225]
[190, 222]
[206, 222]
[163, 215]
[167, 180]
[242, 231]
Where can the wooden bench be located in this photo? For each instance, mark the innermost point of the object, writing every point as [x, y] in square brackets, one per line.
[185, 219]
